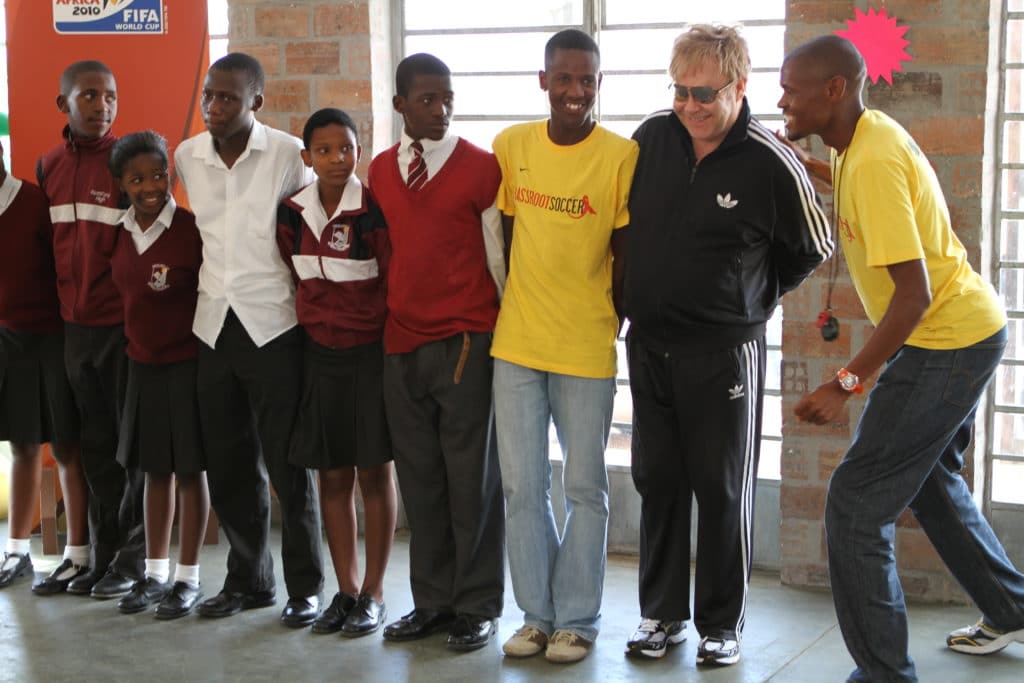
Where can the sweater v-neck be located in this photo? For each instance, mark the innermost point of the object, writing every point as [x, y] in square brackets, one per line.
[432, 181]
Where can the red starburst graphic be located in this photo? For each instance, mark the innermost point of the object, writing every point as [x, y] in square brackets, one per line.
[880, 40]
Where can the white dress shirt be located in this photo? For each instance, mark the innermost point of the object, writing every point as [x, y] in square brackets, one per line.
[8, 191]
[236, 211]
[144, 239]
[435, 154]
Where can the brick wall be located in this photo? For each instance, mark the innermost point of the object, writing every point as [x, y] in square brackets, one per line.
[315, 54]
[940, 99]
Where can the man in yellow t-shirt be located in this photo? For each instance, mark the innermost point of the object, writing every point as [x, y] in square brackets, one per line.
[565, 185]
[940, 333]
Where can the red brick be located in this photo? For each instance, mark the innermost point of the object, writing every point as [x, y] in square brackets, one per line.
[342, 18]
[313, 57]
[809, 343]
[355, 57]
[802, 502]
[282, 22]
[287, 95]
[794, 377]
[909, 92]
[906, 11]
[818, 11]
[799, 541]
[970, 91]
[795, 466]
[949, 134]
[806, 575]
[945, 45]
[915, 551]
[966, 178]
[268, 55]
[343, 93]
[828, 460]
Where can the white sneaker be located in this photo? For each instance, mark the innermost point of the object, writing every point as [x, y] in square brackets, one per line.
[526, 642]
[566, 647]
[982, 639]
[653, 636]
[721, 651]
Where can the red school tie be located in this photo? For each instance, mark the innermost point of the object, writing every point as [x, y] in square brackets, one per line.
[417, 168]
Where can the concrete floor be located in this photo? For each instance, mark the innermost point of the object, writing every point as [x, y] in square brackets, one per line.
[791, 637]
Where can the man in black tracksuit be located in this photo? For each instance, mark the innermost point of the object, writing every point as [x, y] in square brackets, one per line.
[723, 222]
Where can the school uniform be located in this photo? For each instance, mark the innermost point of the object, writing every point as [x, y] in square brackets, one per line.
[442, 306]
[250, 357]
[339, 264]
[36, 404]
[84, 211]
[157, 273]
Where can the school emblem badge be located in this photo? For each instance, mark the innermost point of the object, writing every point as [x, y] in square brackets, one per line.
[108, 16]
[340, 237]
[158, 278]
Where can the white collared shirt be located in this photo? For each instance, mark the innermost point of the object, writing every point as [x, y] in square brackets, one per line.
[144, 239]
[313, 213]
[435, 154]
[236, 211]
[8, 191]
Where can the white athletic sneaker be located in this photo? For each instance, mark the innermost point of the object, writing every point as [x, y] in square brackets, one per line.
[982, 639]
[653, 636]
[721, 651]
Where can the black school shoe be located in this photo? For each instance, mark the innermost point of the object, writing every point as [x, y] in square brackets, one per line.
[113, 585]
[14, 566]
[333, 618]
[470, 632]
[365, 618]
[60, 578]
[228, 603]
[419, 623]
[180, 601]
[143, 595]
[300, 612]
[83, 583]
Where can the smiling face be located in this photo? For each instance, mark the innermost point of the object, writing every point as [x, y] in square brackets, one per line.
[228, 102]
[91, 105]
[333, 154]
[427, 108]
[144, 181]
[805, 100]
[572, 80]
[708, 124]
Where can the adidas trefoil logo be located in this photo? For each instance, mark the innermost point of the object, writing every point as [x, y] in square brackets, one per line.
[736, 392]
[727, 202]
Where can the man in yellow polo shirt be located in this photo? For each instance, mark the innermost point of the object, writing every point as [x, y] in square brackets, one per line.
[939, 332]
[565, 184]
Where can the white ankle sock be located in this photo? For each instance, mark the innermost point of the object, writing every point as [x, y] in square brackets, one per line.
[19, 545]
[78, 554]
[158, 569]
[187, 573]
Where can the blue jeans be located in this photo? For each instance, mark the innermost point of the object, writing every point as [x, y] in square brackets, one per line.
[908, 452]
[557, 575]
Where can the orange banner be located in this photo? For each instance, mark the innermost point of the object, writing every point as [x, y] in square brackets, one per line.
[158, 51]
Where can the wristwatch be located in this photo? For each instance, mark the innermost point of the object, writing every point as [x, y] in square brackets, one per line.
[849, 381]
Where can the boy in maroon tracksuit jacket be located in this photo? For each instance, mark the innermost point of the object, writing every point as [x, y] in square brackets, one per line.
[332, 235]
[36, 405]
[84, 210]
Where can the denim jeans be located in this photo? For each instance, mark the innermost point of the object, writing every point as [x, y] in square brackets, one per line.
[557, 575]
[907, 452]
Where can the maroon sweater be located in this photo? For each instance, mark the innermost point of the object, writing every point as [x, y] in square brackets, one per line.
[84, 211]
[340, 271]
[28, 285]
[159, 288]
[438, 282]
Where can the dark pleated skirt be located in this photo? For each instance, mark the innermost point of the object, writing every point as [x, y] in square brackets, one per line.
[160, 431]
[36, 403]
[341, 419]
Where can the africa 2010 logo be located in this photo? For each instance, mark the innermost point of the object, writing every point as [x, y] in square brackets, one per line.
[108, 16]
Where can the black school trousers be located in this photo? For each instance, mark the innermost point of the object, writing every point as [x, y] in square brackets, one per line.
[446, 456]
[696, 432]
[98, 373]
[248, 398]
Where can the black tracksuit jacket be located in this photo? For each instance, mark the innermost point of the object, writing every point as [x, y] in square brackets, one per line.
[712, 246]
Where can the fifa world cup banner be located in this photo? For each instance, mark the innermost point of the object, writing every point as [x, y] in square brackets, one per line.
[157, 49]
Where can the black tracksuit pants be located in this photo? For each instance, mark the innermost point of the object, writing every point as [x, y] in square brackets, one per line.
[696, 432]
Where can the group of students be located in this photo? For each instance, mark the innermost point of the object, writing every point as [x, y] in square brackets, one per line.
[443, 321]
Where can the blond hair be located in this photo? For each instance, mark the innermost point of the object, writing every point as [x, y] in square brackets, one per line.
[715, 44]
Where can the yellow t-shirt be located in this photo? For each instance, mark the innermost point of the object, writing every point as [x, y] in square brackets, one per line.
[891, 209]
[557, 313]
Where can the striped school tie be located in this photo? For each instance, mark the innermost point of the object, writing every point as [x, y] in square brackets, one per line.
[417, 168]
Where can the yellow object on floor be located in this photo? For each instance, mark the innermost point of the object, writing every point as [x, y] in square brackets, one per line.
[5, 489]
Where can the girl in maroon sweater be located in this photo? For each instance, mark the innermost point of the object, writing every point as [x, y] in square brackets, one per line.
[155, 266]
[332, 235]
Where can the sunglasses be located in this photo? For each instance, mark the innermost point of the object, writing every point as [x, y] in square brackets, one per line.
[701, 93]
